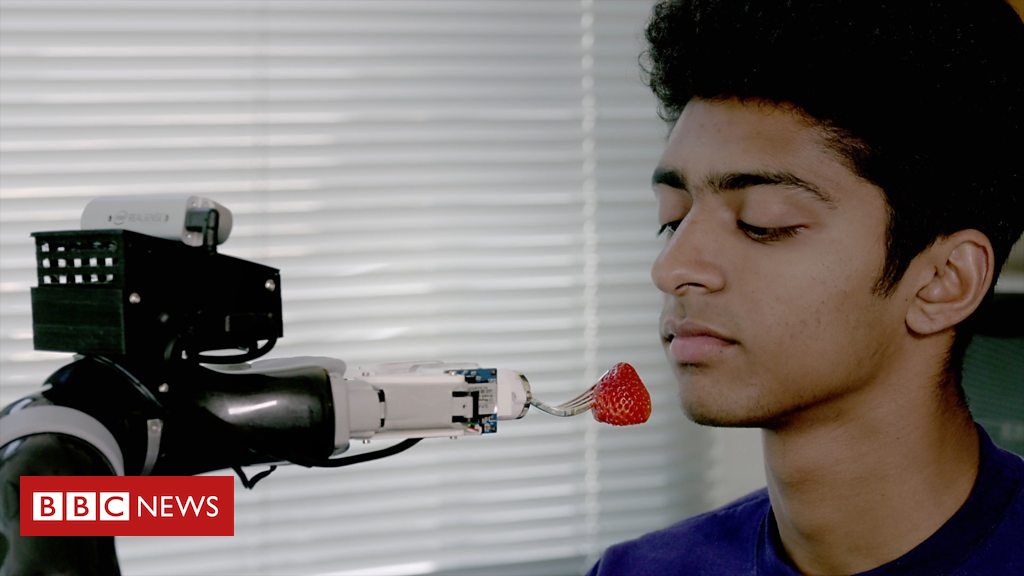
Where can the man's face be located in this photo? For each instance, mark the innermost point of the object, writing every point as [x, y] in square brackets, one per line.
[772, 248]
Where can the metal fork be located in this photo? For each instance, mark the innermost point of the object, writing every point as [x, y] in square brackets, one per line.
[577, 405]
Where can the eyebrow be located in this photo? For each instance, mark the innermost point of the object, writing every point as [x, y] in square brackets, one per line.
[730, 181]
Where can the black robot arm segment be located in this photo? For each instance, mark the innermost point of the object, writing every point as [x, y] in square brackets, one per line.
[221, 419]
[198, 419]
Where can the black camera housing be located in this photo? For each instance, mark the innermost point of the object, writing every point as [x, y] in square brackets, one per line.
[120, 293]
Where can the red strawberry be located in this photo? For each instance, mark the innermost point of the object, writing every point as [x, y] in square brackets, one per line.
[620, 398]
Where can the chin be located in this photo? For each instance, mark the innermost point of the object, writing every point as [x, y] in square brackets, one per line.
[713, 412]
[710, 405]
[722, 419]
[734, 409]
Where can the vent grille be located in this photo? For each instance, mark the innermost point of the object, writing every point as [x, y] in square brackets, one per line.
[82, 259]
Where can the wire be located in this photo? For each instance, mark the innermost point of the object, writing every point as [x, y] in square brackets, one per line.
[250, 482]
[364, 457]
[402, 446]
[253, 351]
[135, 382]
[178, 351]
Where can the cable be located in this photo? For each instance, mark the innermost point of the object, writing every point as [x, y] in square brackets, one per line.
[135, 382]
[250, 482]
[253, 351]
[402, 446]
[364, 457]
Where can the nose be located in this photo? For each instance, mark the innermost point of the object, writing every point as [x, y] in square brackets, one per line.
[690, 260]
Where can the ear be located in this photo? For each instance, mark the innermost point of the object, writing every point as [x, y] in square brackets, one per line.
[953, 276]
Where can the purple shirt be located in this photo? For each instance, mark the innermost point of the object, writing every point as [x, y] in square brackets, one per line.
[985, 537]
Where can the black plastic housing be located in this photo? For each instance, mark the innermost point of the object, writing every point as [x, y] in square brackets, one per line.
[121, 293]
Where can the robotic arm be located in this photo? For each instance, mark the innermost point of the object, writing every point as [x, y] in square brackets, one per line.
[95, 417]
[299, 410]
[143, 298]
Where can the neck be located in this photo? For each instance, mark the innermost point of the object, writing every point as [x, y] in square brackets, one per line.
[867, 478]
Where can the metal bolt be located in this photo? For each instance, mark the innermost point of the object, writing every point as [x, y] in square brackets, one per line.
[134, 298]
[270, 285]
[163, 388]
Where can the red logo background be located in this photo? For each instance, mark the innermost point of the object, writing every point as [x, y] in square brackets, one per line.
[216, 519]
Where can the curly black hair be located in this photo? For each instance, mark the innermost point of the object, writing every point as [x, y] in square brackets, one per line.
[923, 98]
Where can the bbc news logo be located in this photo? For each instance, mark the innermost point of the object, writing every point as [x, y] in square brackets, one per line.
[116, 506]
[127, 506]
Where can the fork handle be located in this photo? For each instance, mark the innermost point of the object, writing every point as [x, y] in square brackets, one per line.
[560, 411]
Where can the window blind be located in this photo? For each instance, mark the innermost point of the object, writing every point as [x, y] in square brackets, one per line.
[448, 180]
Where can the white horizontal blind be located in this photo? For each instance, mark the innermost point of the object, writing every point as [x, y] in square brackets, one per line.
[449, 180]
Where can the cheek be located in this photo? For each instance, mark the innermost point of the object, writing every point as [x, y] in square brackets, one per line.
[828, 331]
[813, 310]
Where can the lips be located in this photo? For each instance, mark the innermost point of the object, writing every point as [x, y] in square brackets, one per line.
[691, 342]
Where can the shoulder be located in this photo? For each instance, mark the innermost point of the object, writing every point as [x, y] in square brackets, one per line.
[1003, 546]
[723, 541]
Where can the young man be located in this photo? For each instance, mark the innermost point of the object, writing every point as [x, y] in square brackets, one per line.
[842, 183]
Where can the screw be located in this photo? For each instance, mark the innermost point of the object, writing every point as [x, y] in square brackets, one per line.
[134, 298]
[270, 285]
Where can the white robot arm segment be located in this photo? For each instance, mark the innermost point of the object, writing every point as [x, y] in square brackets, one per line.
[411, 399]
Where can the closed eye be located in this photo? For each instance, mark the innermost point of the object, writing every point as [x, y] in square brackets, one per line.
[762, 234]
[757, 233]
